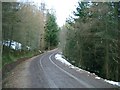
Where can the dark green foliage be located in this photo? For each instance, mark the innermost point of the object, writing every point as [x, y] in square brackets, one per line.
[15, 55]
[51, 32]
[92, 39]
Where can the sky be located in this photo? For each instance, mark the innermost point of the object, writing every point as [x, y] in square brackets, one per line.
[63, 8]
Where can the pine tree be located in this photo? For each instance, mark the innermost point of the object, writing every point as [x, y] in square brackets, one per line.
[51, 31]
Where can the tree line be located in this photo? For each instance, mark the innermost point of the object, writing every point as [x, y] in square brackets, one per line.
[24, 27]
[90, 38]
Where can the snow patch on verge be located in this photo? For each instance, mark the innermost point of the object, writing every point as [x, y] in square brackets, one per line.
[97, 78]
[59, 58]
[64, 61]
[112, 82]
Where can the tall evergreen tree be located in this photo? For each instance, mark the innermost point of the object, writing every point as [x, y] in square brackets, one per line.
[94, 37]
[51, 31]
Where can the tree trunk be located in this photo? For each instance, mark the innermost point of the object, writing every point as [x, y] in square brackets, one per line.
[107, 58]
[11, 37]
[106, 52]
[118, 66]
[80, 51]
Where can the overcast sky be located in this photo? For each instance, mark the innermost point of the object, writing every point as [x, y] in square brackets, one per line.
[63, 8]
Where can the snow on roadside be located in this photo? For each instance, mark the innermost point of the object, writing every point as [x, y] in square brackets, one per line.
[61, 59]
[97, 78]
[112, 82]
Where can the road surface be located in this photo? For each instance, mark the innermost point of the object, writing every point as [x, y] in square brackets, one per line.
[44, 71]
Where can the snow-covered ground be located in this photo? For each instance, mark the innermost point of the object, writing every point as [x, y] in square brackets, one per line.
[14, 45]
[60, 58]
[113, 82]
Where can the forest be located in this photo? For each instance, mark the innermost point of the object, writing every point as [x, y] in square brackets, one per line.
[27, 30]
[90, 38]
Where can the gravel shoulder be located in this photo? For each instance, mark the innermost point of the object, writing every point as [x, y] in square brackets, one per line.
[19, 76]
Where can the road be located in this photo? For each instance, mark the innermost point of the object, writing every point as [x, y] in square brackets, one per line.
[44, 71]
[47, 72]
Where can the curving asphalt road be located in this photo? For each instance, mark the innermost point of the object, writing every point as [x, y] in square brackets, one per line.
[47, 72]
